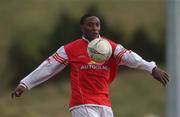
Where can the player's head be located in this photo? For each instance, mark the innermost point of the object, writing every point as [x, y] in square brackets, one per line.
[90, 26]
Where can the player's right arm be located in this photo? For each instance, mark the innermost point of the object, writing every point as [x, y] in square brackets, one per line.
[133, 60]
[46, 70]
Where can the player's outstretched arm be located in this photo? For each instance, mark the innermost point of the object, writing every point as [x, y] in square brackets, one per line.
[46, 70]
[160, 75]
[133, 60]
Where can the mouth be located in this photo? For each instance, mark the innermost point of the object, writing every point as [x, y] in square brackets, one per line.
[92, 35]
[95, 34]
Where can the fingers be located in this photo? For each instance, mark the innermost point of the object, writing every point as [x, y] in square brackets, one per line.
[16, 94]
[164, 82]
[166, 76]
[164, 79]
[161, 76]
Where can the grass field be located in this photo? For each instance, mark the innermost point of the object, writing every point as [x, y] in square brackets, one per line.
[133, 94]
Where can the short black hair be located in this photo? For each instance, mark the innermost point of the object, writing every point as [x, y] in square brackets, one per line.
[83, 18]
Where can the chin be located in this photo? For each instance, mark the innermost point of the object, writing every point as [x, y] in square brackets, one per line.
[94, 37]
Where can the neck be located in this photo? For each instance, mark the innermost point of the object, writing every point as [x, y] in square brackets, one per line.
[88, 38]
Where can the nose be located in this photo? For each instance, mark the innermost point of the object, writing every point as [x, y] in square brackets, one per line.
[95, 28]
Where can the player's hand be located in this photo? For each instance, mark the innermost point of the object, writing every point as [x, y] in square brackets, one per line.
[18, 91]
[160, 75]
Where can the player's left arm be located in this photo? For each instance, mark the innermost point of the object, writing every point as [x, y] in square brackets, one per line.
[133, 60]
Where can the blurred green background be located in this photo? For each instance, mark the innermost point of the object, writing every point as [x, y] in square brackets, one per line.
[32, 30]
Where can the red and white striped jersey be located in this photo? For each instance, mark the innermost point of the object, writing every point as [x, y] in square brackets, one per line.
[89, 81]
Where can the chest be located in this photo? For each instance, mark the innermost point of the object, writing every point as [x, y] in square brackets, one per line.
[78, 57]
[78, 54]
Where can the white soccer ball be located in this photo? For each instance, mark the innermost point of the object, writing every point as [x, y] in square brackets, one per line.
[99, 50]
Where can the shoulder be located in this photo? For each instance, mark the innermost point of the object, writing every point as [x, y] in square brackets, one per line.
[73, 43]
[75, 46]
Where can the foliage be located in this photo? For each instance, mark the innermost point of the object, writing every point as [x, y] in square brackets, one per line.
[28, 53]
[66, 30]
[28, 37]
[143, 45]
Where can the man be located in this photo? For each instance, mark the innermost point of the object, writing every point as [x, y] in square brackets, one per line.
[89, 81]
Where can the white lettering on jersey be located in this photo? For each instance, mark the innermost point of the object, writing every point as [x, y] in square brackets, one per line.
[94, 66]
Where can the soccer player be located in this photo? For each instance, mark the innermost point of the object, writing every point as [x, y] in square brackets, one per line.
[89, 81]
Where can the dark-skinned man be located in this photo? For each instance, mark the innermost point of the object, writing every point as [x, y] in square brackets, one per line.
[89, 81]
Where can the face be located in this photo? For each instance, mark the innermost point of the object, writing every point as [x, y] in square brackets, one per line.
[91, 27]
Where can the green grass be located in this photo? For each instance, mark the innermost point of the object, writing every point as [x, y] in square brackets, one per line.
[133, 94]
[136, 94]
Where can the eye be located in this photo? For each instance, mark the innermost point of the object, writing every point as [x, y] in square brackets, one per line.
[89, 24]
[97, 24]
